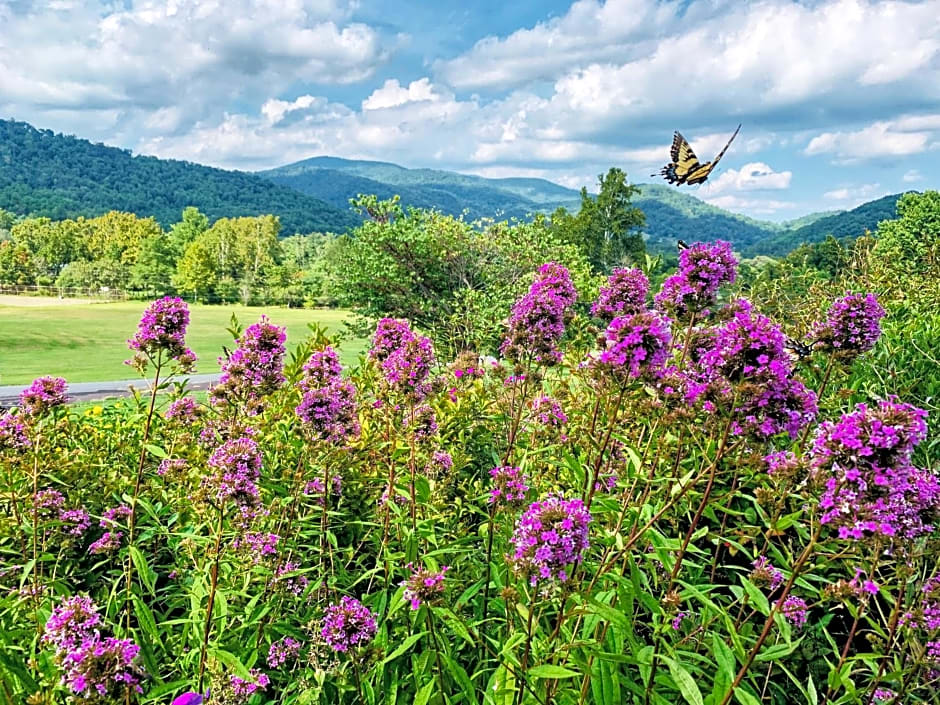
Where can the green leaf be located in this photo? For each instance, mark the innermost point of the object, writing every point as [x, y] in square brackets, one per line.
[684, 682]
[147, 576]
[231, 661]
[404, 646]
[745, 697]
[757, 598]
[423, 695]
[811, 691]
[550, 671]
[156, 451]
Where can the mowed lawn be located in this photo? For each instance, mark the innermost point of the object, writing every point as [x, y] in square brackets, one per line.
[87, 342]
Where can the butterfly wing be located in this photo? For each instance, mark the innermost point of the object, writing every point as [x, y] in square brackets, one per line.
[682, 245]
[684, 161]
[699, 175]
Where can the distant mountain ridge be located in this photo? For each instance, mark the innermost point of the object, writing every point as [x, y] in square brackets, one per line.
[59, 176]
[670, 213]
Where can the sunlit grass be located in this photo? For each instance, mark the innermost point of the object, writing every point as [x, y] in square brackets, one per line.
[87, 342]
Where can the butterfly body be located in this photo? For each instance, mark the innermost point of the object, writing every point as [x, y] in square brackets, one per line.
[685, 167]
[797, 350]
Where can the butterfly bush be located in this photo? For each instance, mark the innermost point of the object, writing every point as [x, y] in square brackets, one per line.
[550, 536]
[509, 487]
[407, 369]
[636, 346]
[744, 361]
[162, 331]
[703, 269]
[43, 395]
[328, 405]
[537, 320]
[624, 294]
[795, 610]
[390, 335]
[283, 651]
[852, 325]
[870, 485]
[13, 433]
[424, 586]
[234, 471]
[255, 368]
[96, 667]
[348, 625]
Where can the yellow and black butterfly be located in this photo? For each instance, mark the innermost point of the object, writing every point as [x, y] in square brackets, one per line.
[682, 245]
[684, 167]
[796, 350]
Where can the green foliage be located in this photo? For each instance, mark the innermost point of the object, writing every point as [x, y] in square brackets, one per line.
[452, 279]
[52, 175]
[606, 227]
[910, 243]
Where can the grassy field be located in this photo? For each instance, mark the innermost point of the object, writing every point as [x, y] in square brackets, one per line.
[88, 342]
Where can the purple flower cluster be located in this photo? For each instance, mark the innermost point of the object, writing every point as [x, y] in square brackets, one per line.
[624, 295]
[255, 368]
[509, 487]
[95, 667]
[348, 625]
[390, 335]
[162, 330]
[547, 412]
[703, 269]
[316, 488]
[13, 433]
[424, 586]
[257, 544]
[111, 516]
[406, 359]
[282, 651]
[109, 542]
[764, 573]
[408, 368]
[549, 536]
[328, 406]
[173, 468]
[183, 411]
[43, 395]
[286, 581]
[242, 690]
[870, 486]
[537, 320]
[852, 325]
[636, 346]
[439, 464]
[47, 500]
[423, 423]
[795, 610]
[745, 359]
[236, 469]
[75, 521]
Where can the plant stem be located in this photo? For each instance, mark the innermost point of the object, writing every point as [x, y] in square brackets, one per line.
[132, 519]
[768, 623]
[214, 582]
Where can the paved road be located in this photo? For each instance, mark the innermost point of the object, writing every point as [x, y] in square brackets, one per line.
[90, 391]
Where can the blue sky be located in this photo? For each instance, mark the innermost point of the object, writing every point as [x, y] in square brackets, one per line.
[839, 99]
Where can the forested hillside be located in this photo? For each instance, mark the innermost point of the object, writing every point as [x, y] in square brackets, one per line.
[57, 176]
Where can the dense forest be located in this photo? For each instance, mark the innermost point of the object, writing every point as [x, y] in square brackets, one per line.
[48, 175]
[56, 176]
